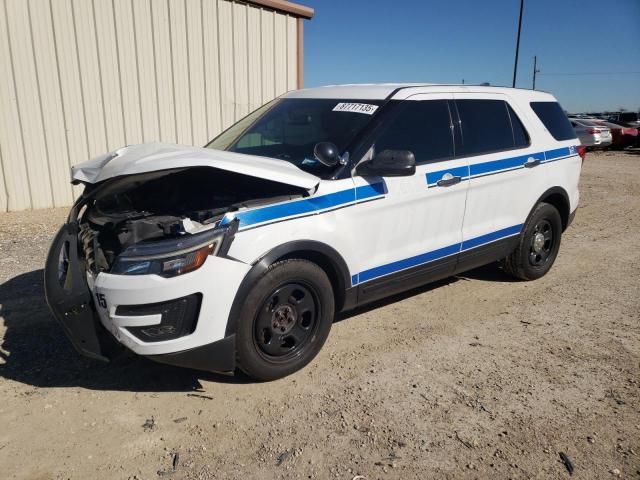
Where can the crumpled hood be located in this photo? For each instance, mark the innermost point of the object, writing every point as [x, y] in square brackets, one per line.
[150, 157]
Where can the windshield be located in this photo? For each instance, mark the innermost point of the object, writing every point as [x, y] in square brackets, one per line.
[289, 128]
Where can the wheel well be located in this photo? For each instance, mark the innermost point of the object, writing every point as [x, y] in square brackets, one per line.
[560, 201]
[329, 267]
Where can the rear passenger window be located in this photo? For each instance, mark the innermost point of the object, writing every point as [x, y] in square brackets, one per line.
[487, 127]
[423, 127]
[520, 136]
[554, 119]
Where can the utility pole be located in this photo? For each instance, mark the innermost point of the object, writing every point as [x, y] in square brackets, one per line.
[515, 64]
[535, 70]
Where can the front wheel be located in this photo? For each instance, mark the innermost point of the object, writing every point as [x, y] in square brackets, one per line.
[285, 320]
[538, 244]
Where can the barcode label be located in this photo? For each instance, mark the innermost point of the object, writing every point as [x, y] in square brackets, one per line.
[365, 108]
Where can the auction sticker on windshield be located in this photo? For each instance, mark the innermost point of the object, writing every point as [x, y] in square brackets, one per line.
[365, 108]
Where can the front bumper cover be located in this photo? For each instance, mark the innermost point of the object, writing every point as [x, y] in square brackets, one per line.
[219, 356]
[71, 302]
[70, 299]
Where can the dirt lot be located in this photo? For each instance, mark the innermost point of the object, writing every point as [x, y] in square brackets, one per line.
[474, 377]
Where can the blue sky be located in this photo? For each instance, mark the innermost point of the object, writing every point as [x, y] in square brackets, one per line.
[444, 41]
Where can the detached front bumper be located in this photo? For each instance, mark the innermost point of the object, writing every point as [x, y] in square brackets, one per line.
[70, 299]
[103, 313]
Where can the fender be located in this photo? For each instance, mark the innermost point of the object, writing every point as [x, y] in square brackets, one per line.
[556, 196]
[559, 198]
[339, 273]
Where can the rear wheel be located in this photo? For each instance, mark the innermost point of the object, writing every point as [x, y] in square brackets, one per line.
[538, 244]
[285, 320]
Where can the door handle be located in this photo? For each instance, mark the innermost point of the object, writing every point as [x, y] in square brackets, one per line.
[447, 180]
[531, 162]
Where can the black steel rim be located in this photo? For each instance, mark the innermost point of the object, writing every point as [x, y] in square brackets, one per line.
[287, 322]
[542, 243]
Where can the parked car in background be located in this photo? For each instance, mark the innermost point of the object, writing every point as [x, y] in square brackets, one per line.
[621, 136]
[590, 134]
[627, 119]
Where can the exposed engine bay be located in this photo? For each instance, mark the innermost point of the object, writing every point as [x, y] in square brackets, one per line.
[159, 205]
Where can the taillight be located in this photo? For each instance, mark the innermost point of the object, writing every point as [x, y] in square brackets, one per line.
[582, 151]
[593, 131]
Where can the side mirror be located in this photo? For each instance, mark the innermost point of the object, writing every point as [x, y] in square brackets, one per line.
[390, 163]
[326, 153]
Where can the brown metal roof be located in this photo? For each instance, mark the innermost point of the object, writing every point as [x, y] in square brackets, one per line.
[291, 8]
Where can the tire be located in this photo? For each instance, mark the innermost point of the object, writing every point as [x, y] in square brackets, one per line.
[285, 320]
[538, 244]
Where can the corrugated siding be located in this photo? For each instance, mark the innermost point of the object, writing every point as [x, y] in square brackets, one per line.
[82, 77]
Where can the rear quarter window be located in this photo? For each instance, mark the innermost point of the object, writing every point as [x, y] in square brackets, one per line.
[489, 126]
[520, 136]
[554, 119]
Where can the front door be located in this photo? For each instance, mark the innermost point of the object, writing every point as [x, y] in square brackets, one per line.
[413, 234]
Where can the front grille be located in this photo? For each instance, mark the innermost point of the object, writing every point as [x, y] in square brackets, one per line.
[88, 243]
[94, 255]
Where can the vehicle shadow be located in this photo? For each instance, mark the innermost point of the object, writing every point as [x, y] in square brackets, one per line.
[35, 351]
[398, 297]
[487, 273]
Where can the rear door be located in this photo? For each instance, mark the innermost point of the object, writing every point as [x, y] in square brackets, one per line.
[413, 234]
[505, 176]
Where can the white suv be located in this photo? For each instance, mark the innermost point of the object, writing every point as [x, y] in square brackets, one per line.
[240, 254]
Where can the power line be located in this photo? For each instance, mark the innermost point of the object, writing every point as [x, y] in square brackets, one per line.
[515, 63]
[590, 73]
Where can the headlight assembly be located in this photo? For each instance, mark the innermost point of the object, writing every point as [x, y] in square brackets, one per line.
[170, 257]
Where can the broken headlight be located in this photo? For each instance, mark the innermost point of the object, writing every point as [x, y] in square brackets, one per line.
[170, 257]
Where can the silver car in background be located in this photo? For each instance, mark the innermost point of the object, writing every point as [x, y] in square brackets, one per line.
[590, 133]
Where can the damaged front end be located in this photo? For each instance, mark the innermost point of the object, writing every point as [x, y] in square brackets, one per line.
[70, 299]
[165, 223]
[128, 224]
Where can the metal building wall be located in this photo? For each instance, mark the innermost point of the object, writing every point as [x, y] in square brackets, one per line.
[82, 77]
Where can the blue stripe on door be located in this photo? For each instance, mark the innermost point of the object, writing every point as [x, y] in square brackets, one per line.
[424, 258]
[495, 166]
[372, 190]
[490, 237]
[434, 177]
[350, 196]
[504, 164]
[560, 152]
[408, 263]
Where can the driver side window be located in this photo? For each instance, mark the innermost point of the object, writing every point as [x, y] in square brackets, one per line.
[422, 127]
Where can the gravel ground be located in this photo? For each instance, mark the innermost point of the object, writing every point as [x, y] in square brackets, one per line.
[477, 376]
